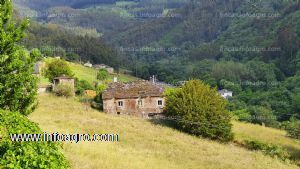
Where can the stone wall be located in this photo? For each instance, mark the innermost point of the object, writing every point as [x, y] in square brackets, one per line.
[140, 107]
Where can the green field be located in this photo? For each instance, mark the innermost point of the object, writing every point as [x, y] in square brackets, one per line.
[90, 74]
[144, 145]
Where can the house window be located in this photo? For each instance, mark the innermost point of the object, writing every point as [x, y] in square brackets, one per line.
[120, 103]
[140, 103]
[160, 102]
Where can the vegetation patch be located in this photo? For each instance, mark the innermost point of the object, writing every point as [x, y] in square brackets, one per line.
[19, 155]
[199, 110]
[268, 149]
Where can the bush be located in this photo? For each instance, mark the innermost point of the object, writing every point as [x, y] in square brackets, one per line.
[26, 154]
[293, 128]
[263, 116]
[268, 149]
[64, 90]
[98, 102]
[242, 115]
[102, 74]
[83, 85]
[199, 110]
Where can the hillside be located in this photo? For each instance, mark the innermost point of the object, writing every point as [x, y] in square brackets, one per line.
[234, 30]
[229, 95]
[142, 143]
[89, 74]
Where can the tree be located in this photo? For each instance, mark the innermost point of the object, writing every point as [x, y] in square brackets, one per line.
[18, 87]
[200, 110]
[56, 68]
[102, 74]
[262, 115]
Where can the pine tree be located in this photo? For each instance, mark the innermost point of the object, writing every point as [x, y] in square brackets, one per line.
[18, 87]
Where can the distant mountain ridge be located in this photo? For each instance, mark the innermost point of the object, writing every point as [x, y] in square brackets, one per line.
[45, 4]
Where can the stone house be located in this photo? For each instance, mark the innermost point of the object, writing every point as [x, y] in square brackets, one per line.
[100, 66]
[140, 98]
[109, 69]
[64, 80]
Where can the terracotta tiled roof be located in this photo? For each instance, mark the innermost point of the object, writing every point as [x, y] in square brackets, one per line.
[132, 90]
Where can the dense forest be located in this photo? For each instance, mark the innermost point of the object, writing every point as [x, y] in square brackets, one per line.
[249, 47]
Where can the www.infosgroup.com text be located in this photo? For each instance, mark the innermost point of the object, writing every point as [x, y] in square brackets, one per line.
[57, 137]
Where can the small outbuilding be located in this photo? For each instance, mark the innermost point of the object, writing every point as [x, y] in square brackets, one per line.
[64, 80]
[88, 64]
[225, 93]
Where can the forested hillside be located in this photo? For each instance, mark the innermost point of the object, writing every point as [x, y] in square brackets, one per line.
[217, 30]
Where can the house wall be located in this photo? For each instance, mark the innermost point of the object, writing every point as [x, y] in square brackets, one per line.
[131, 107]
[227, 95]
[42, 90]
[70, 82]
[110, 70]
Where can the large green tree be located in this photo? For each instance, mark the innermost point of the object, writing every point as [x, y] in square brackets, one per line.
[18, 87]
[200, 110]
[56, 68]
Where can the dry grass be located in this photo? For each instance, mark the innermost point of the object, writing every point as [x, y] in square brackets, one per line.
[246, 131]
[143, 145]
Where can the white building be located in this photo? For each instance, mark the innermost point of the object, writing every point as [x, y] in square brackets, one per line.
[88, 64]
[225, 93]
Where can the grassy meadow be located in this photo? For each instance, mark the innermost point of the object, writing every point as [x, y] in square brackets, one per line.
[144, 145]
[247, 131]
[89, 74]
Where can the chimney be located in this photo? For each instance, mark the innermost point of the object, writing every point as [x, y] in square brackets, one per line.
[115, 79]
[153, 79]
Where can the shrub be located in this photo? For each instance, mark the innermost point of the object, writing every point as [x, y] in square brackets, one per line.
[268, 149]
[56, 68]
[83, 85]
[102, 74]
[98, 102]
[64, 90]
[242, 115]
[293, 128]
[261, 115]
[199, 110]
[26, 154]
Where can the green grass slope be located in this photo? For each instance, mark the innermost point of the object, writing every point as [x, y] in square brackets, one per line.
[89, 74]
[143, 145]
